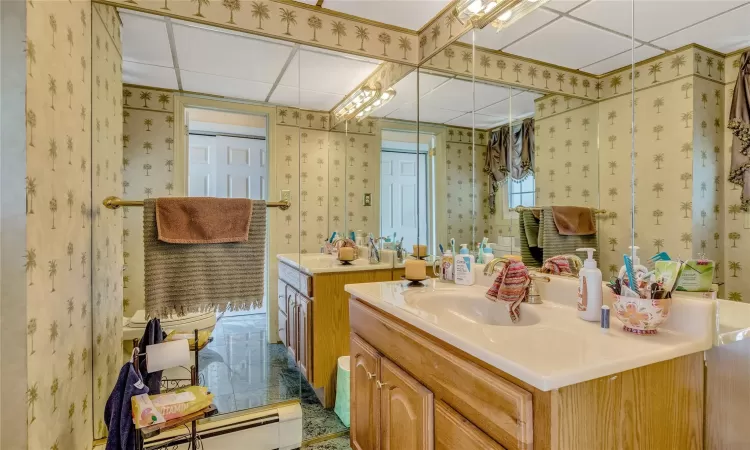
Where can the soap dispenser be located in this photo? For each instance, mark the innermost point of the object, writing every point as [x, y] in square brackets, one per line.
[639, 271]
[589, 288]
[464, 267]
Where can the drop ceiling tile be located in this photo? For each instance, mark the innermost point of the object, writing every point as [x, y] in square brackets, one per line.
[621, 60]
[479, 121]
[412, 14]
[520, 105]
[325, 72]
[406, 90]
[433, 115]
[568, 43]
[653, 18]
[229, 54]
[148, 75]
[306, 99]
[564, 5]
[225, 86]
[489, 37]
[462, 95]
[145, 40]
[726, 33]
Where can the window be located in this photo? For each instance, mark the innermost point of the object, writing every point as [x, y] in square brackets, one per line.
[522, 193]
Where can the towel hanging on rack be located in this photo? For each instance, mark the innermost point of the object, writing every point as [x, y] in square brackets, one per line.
[182, 279]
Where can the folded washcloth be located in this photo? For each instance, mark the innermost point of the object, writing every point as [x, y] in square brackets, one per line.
[181, 279]
[557, 265]
[574, 220]
[203, 220]
[510, 286]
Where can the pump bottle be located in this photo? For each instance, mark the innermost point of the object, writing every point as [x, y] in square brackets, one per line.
[589, 288]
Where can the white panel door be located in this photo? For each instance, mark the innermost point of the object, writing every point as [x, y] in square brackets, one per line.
[241, 168]
[201, 166]
[398, 193]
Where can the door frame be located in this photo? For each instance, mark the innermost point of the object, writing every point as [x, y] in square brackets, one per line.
[183, 102]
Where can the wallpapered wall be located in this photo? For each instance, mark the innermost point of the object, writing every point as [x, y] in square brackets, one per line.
[461, 192]
[107, 226]
[58, 195]
[148, 170]
[736, 244]
[328, 172]
[678, 127]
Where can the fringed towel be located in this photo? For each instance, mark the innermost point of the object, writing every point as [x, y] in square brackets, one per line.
[510, 287]
[739, 123]
[188, 278]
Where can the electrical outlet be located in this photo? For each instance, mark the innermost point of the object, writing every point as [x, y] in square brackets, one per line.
[286, 195]
[367, 200]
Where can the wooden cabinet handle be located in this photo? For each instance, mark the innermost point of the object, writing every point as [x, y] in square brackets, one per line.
[380, 385]
[370, 375]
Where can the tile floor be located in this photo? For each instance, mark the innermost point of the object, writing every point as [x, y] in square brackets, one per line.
[244, 371]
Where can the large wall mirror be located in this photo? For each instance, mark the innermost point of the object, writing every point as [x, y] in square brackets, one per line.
[476, 136]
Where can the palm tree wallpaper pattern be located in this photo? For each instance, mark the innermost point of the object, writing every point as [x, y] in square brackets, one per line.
[107, 226]
[59, 253]
[147, 172]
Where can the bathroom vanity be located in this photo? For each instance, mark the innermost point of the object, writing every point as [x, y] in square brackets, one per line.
[441, 367]
[313, 313]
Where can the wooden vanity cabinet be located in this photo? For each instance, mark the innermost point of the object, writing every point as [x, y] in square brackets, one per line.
[410, 390]
[390, 409]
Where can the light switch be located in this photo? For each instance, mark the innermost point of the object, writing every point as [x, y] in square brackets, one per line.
[286, 195]
[367, 200]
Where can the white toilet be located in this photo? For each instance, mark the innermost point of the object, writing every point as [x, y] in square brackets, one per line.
[133, 327]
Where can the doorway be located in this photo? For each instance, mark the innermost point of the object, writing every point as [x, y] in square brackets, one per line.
[403, 184]
[228, 158]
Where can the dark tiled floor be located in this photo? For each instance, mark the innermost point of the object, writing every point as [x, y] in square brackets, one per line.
[244, 371]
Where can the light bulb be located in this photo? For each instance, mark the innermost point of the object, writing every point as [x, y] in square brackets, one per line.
[475, 6]
[506, 15]
[490, 6]
[385, 95]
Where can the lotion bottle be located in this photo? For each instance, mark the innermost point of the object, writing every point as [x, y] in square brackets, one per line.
[465, 267]
[589, 288]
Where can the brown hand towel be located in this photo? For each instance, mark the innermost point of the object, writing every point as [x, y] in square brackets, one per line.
[203, 220]
[574, 220]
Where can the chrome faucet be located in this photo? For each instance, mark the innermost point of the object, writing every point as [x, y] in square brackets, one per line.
[533, 297]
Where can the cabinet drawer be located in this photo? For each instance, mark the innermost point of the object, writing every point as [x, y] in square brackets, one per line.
[453, 431]
[296, 279]
[498, 407]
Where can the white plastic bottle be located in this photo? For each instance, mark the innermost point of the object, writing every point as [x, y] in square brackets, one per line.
[589, 288]
[464, 267]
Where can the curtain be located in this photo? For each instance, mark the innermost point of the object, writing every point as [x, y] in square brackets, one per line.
[510, 151]
[739, 123]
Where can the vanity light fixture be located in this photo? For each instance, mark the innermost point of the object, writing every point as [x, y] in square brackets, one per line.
[473, 9]
[384, 98]
[357, 102]
[516, 12]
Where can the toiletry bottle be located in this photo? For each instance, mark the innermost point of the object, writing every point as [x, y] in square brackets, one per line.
[639, 271]
[589, 288]
[464, 267]
[446, 266]
[487, 255]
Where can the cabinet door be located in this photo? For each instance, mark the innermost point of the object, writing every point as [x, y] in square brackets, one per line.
[282, 297]
[406, 410]
[291, 301]
[304, 336]
[453, 431]
[283, 328]
[364, 404]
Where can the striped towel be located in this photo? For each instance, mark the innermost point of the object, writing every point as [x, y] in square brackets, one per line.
[510, 286]
[555, 244]
[531, 253]
[194, 278]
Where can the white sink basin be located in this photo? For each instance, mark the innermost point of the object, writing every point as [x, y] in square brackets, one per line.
[449, 306]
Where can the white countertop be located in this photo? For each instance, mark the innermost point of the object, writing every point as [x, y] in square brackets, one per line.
[312, 263]
[552, 347]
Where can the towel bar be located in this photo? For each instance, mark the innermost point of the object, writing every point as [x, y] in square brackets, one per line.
[518, 209]
[113, 202]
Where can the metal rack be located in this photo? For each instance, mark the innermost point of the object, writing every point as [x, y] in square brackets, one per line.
[518, 209]
[113, 202]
